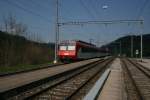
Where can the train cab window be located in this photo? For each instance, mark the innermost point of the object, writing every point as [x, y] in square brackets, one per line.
[63, 47]
[71, 47]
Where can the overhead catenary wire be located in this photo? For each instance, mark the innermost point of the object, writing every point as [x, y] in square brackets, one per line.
[63, 9]
[100, 22]
[27, 10]
[94, 7]
[39, 4]
[142, 8]
[86, 8]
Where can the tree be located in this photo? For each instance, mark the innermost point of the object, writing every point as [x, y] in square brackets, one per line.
[13, 27]
[20, 29]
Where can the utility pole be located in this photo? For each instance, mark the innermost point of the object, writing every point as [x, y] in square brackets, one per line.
[120, 48]
[90, 40]
[141, 46]
[131, 46]
[141, 40]
[57, 32]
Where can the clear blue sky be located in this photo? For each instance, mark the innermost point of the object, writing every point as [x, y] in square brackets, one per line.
[39, 16]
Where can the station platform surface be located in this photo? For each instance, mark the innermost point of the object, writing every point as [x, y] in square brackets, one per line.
[17, 80]
[113, 88]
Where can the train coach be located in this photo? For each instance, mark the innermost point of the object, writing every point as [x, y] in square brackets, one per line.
[75, 50]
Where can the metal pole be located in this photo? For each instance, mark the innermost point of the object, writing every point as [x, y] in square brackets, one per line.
[57, 32]
[141, 46]
[141, 41]
[120, 49]
[131, 46]
[90, 40]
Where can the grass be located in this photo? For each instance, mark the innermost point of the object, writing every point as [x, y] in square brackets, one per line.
[17, 68]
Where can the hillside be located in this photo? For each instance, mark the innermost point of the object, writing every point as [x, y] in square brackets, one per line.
[126, 45]
[17, 50]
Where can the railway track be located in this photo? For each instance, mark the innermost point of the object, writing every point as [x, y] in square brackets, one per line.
[39, 67]
[141, 67]
[36, 87]
[74, 87]
[137, 80]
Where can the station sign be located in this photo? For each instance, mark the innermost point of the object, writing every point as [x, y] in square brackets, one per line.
[137, 52]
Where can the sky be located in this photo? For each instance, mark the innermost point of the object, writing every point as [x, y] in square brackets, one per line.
[40, 16]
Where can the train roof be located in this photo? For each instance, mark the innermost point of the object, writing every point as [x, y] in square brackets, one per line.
[75, 41]
[86, 43]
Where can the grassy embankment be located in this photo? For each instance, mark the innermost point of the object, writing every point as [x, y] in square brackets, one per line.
[17, 53]
[18, 68]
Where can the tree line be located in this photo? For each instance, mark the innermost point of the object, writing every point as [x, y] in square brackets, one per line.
[15, 49]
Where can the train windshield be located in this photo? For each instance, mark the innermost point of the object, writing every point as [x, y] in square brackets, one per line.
[67, 48]
[63, 47]
[71, 47]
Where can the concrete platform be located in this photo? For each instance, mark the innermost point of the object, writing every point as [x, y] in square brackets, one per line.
[13, 81]
[114, 88]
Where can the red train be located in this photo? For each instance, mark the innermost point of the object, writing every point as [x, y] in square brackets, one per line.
[78, 50]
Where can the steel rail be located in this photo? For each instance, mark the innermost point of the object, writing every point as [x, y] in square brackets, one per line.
[74, 92]
[142, 68]
[20, 90]
[69, 97]
[133, 81]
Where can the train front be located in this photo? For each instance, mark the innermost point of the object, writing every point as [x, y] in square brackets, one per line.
[67, 51]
